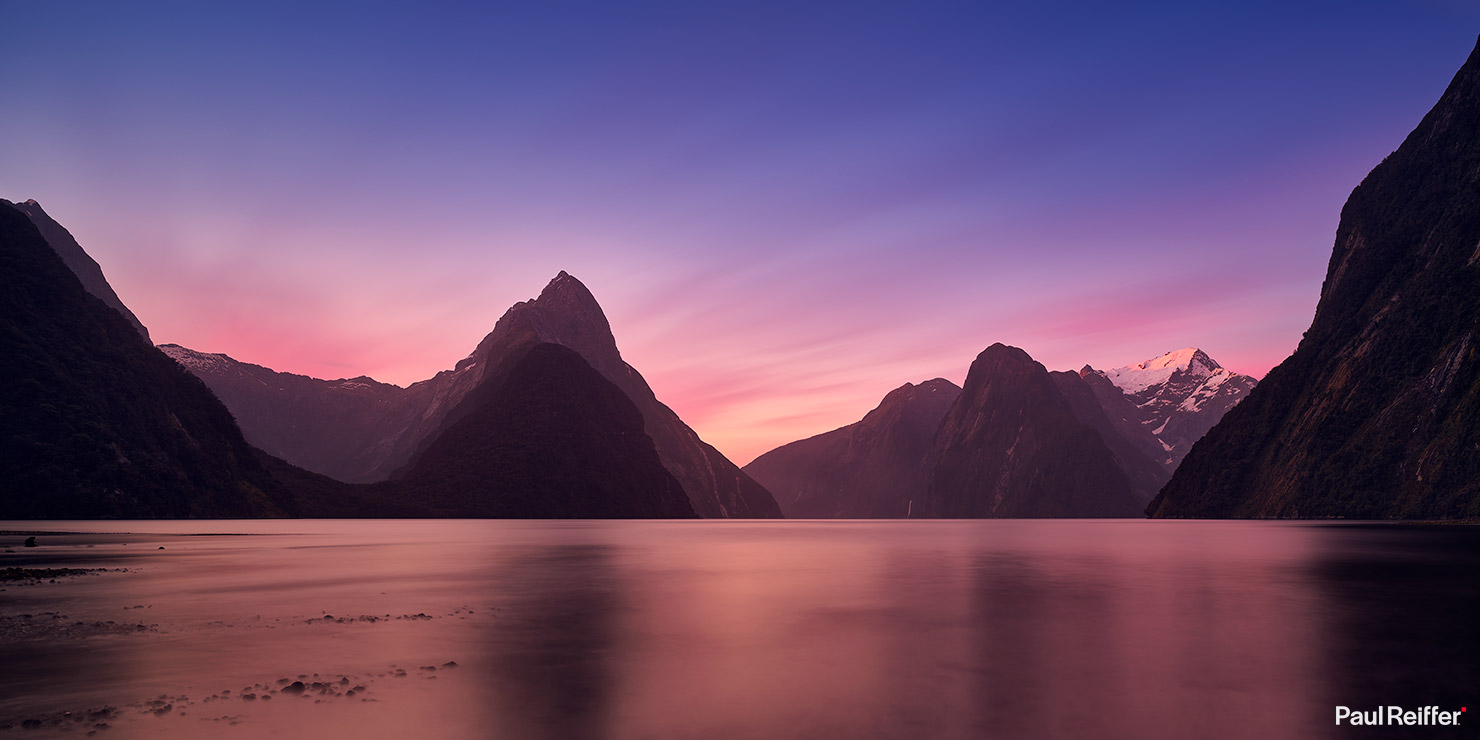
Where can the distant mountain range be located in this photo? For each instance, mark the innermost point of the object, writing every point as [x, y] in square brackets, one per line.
[361, 430]
[98, 424]
[872, 468]
[1377, 413]
[1019, 441]
[1011, 446]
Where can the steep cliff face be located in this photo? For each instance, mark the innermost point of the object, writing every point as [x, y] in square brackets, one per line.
[98, 424]
[1010, 446]
[872, 468]
[78, 261]
[545, 436]
[1377, 414]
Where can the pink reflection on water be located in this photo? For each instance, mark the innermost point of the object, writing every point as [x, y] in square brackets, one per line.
[1026, 629]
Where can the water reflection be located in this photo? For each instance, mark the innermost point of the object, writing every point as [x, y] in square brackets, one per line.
[1402, 605]
[551, 654]
[1038, 629]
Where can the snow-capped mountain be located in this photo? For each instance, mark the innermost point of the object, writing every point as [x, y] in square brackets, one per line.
[1374, 416]
[1179, 396]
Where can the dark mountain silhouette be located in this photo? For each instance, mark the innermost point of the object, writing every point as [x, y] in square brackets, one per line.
[360, 430]
[1146, 474]
[355, 429]
[78, 261]
[872, 468]
[1010, 446]
[544, 436]
[97, 424]
[566, 313]
[878, 467]
[1129, 422]
[1377, 413]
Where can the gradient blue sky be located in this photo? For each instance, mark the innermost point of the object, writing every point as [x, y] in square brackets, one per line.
[786, 209]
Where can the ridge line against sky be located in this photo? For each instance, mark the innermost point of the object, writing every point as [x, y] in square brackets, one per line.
[785, 211]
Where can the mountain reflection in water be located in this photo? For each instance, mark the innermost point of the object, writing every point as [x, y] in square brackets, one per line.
[735, 629]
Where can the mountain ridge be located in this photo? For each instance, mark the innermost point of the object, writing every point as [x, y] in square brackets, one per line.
[78, 261]
[999, 451]
[849, 473]
[874, 467]
[100, 425]
[1178, 396]
[376, 434]
[1377, 412]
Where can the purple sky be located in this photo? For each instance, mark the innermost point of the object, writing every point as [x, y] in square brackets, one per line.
[785, 212]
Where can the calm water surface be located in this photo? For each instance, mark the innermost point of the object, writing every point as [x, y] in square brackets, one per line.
[964, 629]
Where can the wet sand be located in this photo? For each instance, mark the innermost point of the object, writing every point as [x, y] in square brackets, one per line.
[84, 659]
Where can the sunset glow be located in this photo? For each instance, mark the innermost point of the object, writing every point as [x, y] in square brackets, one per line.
[784, 215]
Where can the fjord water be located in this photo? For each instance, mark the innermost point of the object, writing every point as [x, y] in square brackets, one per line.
[734, 629]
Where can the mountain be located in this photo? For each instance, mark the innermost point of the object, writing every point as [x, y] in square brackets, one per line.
[566, 313]
[356, 429]
[1146, 415]
[1178, 396]
[360, 430]
[97, 424]
[78, 261]
[1127, 420]
[1145, 473]
[874, 467]
[545, 437]
[1010, 446]
[1377, 413]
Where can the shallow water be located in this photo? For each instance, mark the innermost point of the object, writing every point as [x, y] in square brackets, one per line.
[960, 629]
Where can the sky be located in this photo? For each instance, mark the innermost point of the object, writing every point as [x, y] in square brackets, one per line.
[786, 209]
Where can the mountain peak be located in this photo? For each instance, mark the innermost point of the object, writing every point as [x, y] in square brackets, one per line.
[909, 392]
[1000, 353]
[938, 385]
[565, 313]
[1157, 370]
[565, 291]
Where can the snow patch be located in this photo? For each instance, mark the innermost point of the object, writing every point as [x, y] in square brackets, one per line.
[1158, 370]
[198, 361]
